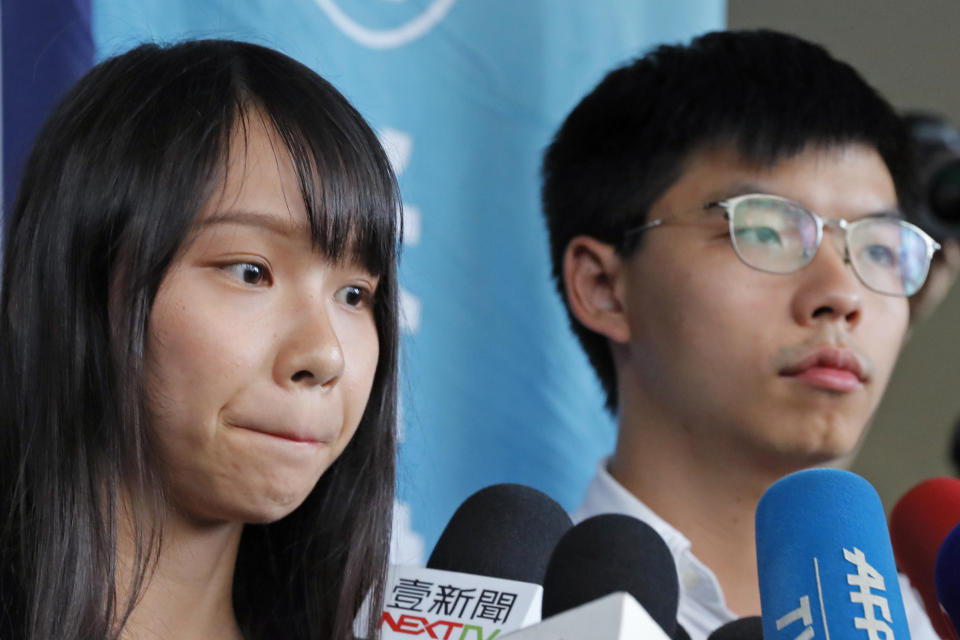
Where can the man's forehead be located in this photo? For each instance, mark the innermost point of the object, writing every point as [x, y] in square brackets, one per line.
[850, 176]
[731, 154]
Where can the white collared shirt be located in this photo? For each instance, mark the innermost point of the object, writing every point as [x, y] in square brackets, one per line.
[702, 608]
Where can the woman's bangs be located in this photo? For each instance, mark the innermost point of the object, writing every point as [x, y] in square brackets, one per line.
[348, 190]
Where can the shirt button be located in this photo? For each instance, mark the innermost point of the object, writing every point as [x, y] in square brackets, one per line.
[689, 578]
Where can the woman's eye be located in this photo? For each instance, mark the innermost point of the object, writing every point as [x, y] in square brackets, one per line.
[248, 272]
[354, 296]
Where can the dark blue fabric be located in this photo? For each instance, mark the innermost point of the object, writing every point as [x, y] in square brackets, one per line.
[47, 46]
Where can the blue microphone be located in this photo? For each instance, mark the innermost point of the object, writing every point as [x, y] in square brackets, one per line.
[825, 562]
[947, 577]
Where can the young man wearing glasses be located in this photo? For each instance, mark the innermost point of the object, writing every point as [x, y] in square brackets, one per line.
[726, 235]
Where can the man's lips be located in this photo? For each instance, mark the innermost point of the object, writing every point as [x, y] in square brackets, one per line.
[830, 368]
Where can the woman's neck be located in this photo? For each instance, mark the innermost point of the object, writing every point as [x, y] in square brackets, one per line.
[187, 591]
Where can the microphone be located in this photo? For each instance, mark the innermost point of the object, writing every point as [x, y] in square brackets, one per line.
[484, 575]
[609, 553]
[825, 561]
[611, 577]
[504, 531]
[919, 523]
[750, 628]
[615, 616]
[947, 576]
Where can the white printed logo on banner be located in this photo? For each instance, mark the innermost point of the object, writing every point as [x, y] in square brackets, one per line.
[398, 145]
[387, 38]
[406, 545]
[410, 310]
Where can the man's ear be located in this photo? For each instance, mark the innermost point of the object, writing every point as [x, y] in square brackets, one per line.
[593, 277]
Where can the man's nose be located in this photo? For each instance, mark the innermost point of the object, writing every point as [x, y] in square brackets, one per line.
[829, 289]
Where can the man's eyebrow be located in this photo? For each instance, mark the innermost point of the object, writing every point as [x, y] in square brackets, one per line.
[275, 224]
[745, 187]
[731, 191]
[740, 189]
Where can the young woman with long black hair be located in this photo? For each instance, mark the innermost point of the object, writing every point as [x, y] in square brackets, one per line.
[198, 356]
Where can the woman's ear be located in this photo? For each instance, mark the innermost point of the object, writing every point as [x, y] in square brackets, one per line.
[593, 277]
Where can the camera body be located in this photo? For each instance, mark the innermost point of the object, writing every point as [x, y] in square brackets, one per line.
[937, 146]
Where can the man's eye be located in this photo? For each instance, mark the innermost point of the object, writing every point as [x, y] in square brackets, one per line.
[759, 235]
[880, 255]
[354, 296]
[248, 272]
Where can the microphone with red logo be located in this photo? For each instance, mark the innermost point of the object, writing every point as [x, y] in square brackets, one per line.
[484, 576]
[919, 523]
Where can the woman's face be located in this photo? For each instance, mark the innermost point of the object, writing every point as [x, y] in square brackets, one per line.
[261, 352]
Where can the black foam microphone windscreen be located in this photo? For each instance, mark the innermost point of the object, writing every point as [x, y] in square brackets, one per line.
[742, 629]
[503, 531]
[608, 553]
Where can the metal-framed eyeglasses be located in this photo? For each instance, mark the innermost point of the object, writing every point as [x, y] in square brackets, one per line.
[776, 235]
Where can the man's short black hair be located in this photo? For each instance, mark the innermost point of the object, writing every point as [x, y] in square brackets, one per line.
[767, 95]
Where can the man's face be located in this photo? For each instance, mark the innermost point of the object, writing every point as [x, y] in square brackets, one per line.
[786, 369]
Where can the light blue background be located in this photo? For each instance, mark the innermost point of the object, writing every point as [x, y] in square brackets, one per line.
[495, 388]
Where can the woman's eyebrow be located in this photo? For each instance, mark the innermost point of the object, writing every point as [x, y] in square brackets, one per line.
[280, 225]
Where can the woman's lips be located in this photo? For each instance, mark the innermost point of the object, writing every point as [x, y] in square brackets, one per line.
[292, 438]
[282, 435]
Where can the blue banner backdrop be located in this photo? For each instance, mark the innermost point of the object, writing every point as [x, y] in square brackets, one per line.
[465, 95]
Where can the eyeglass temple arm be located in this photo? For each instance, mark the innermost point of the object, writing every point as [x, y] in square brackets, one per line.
[644, 227]
[657, 222]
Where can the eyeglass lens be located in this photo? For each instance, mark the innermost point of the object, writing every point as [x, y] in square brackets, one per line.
[779, 236]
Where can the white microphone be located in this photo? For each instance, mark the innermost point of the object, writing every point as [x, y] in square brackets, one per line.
[451, 605]
[616, 616]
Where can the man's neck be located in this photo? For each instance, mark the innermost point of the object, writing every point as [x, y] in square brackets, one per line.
[708, 494]
[188, 591]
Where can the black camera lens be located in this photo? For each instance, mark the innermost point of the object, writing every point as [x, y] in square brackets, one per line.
[937, 146]
[943, 194]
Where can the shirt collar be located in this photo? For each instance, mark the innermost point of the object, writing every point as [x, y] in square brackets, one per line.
[606, 495]
[702, 608]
